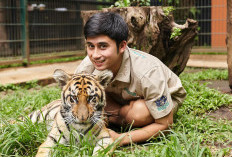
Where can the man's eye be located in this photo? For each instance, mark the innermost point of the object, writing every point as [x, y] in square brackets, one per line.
[103, 46]
[90, 46]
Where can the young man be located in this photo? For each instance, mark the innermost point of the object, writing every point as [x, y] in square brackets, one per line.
[143, 92]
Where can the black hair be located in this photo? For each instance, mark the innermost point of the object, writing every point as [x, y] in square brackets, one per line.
[107, 23]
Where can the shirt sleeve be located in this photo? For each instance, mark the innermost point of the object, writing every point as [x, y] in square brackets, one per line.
[85, 66]
[156, 93]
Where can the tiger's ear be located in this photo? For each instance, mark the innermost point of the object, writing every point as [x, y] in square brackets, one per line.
[104, 77]
[61, 77]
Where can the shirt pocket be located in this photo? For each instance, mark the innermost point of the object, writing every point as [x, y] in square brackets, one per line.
[129, 95]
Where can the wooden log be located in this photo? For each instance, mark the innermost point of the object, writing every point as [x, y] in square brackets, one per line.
[229, 41]
[150, 30]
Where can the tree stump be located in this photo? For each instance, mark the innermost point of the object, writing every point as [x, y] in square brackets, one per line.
[150, 30]
[229, 40]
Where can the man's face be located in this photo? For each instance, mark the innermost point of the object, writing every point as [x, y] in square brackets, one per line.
[103, 53]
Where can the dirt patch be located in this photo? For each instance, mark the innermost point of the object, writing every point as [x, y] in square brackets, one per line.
[194, 70]
[222, 113]
[223, 87]
[220, 85]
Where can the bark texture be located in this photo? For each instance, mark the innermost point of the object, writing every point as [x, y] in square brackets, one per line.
[3, 35]
[229, 40]
[150, 30]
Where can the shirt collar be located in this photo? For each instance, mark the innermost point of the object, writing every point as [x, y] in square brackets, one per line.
[123, 74]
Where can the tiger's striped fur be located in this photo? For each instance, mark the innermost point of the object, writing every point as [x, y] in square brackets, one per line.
[81, 108]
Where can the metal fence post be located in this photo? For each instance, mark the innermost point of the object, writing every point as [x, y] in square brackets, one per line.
[25, 31]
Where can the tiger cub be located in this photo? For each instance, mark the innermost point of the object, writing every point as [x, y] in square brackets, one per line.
[81, 108]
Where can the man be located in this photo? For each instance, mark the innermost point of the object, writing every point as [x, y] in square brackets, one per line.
[143, 92]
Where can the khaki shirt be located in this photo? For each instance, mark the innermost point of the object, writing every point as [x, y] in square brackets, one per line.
[143, 76]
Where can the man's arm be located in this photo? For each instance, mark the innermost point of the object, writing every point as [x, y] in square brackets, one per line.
[144, 133]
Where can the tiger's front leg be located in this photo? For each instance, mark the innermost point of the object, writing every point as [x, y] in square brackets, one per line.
[45, 148]
[58, 134]
[104, 140]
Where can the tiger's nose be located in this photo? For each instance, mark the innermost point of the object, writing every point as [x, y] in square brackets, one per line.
[82, 113]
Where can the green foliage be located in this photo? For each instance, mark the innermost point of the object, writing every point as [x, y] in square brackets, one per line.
[26, 85]
[58, 60]
[176, 32]
[128, 3]
[201, 99]
[21, 139]
[167, 10]
[192, 134]
[205, 74]
[23, 101]
[122, 3]
[209, 53]
[173, 1]
[194, 11]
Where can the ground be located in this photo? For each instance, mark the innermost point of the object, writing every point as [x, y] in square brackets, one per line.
[221, 113]
[222, 86]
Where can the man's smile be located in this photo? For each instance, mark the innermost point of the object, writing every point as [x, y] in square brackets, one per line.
[98, 62]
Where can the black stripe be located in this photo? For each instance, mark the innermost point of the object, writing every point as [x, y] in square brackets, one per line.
[64, 98]
[65, 121]
[77, 83]
[50, 111]
[38, 116]
[98, 131]
[53, 139]
[90, 83]
[67, 125]
[60, 131]
[87, 130]
[31, 115]
[102, 98]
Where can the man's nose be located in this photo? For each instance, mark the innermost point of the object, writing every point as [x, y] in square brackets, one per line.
[96, 53]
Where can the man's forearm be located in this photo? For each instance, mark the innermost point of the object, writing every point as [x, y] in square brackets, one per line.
[146, 132]
[142, 134]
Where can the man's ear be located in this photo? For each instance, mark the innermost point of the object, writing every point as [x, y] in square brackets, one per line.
[61, 77]
[122, 46]
[104, 77]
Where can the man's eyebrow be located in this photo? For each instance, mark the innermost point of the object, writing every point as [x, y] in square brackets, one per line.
[103, 43]
[89, 43]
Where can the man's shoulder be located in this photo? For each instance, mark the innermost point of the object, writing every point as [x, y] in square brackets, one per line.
[85, 66]
[142, 62]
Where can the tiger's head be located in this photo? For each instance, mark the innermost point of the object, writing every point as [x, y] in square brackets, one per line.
[83, 95]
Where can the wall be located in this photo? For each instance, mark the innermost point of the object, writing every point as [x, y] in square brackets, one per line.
[218, 24]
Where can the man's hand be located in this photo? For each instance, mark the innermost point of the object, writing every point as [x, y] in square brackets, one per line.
[145, 133]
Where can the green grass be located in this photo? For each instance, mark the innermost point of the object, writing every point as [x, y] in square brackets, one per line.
[57, 60]
[209, 53]
[192, 135]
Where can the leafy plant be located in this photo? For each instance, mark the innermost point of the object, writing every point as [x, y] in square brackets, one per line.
[167, 10]
[26, 85]
[128, 3]
[176, 32]
[122, 3]
[58, 60]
